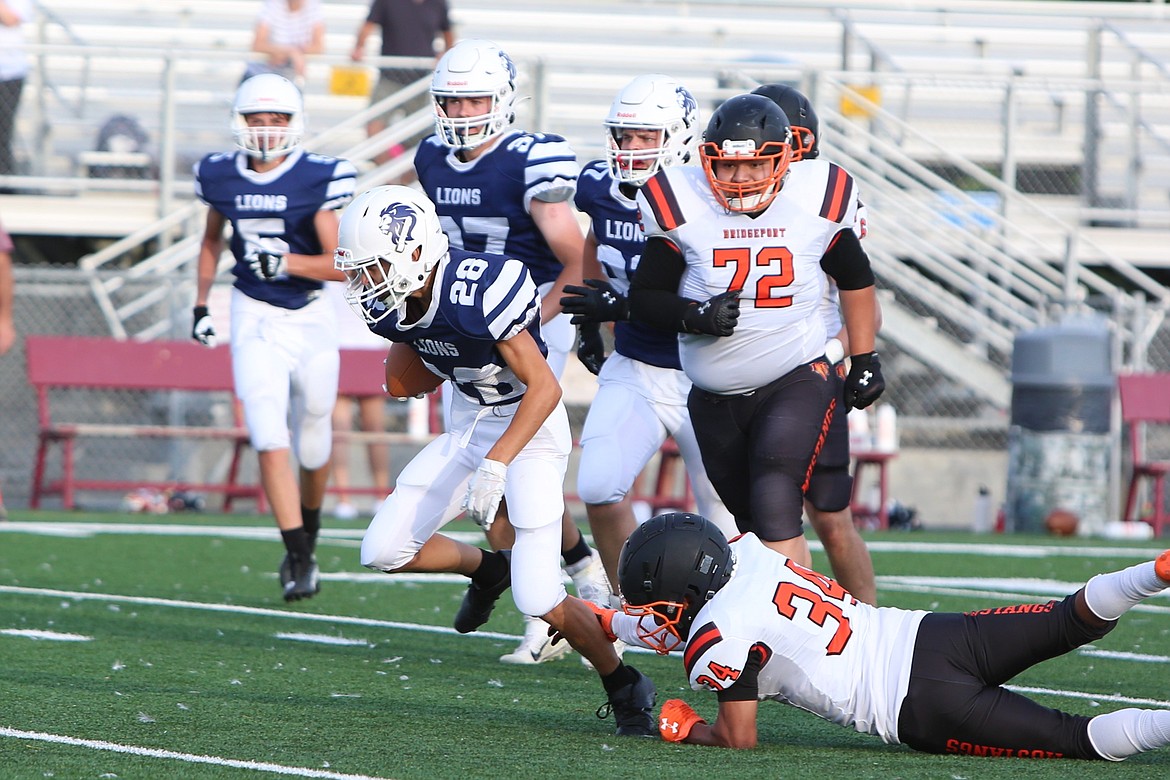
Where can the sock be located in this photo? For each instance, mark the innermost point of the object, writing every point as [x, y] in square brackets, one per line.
[617, 679]
[311, 518]
[1118, 735]
[1111, 595]
[492, 568]
[296, 541]
[578, 552]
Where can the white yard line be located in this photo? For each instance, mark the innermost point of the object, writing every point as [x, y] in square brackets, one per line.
[189, 758]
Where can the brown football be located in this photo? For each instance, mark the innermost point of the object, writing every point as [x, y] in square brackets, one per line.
[1061, 522]
[406, 374]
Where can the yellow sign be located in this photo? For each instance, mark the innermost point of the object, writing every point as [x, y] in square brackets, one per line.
[854, 107]
[349, 80]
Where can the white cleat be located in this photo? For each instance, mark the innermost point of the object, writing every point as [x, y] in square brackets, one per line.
[537, 646]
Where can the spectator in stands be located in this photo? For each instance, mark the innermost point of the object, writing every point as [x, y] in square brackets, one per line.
[281, 203]
[371, 410]
[409, 28]
[13, 69]
[287, 31]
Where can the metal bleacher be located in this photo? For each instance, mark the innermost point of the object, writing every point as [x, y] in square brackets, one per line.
[966, 124]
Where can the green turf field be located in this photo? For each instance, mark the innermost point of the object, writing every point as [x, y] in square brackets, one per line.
[140, 647]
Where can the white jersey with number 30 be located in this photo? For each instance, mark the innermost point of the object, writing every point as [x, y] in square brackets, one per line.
[774, 258]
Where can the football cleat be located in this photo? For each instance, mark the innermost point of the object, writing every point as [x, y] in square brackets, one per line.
[1162, 566]
[537, 646]
[286, 575]
[478, 602]
[305, 582]
[633, 707]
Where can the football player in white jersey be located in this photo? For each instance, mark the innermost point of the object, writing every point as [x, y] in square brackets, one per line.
[753, 625]
[474, 318]
[830, 486]
[281, 203]
[641, 398]
[499, 189]
[738, 265]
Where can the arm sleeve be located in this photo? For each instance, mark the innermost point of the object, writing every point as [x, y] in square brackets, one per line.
[747, 687]
[654, 297]
[847, 262]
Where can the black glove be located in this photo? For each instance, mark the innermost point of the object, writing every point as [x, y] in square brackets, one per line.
[865, 384]
[716, 316]
[590, 347]
[202, 330]
[598, 302]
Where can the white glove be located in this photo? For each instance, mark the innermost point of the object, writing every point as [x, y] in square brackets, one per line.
[485, 491]
[265, 257]
[203, 330]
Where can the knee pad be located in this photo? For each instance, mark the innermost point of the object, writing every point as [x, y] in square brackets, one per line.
[599, 475]
[314, 440]
[536, 570]
[387, 545]
[830, 488]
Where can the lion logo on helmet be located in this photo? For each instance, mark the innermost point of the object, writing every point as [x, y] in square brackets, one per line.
[686, 101]
[398, 221]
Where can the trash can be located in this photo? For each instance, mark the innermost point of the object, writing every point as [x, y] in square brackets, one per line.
[1059, 442]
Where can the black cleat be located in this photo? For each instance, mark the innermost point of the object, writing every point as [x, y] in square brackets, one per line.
[478, 602]
[305, 582]
[633, 708]
[285, 573]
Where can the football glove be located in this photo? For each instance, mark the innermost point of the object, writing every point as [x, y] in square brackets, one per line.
[716, 316]
[266, 258]
[597, 302]
[864, 384]
[485, 491]
[202, 329]
[591, 347]
[676, 720]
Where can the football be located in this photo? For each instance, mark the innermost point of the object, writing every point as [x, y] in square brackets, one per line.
[407, 375]
[1061, 522]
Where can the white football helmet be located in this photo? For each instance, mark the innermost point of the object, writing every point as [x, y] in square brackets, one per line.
[474, 68]
[388, 242]
[268, 92]
[653, 102]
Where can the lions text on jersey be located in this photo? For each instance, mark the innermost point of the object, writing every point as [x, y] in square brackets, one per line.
[281, 203]
[620, 239]
[484, 203]
[478, 300]
[774, 259]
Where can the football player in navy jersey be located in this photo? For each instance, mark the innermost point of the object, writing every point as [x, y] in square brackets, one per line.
[830, 486]
[501, 190]
[737, 262]
[641, 398]
[281, 204]
[474, 318]
[754, 626]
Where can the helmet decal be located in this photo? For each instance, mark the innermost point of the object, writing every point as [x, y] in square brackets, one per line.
[398, 221]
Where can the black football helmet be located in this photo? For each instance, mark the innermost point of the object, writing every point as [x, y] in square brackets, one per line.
[747, 128]
[806, 128]
[671, 566]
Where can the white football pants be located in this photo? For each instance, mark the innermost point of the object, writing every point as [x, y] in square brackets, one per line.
[430, 490]
[285, 365]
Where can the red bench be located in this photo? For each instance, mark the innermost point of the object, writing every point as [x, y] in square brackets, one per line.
[58, 363]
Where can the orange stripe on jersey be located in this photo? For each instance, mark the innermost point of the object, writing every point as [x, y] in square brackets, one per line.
[663, 203]
[837, 194]
[701, 641]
